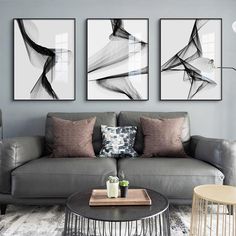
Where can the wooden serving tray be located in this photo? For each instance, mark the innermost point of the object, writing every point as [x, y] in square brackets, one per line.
[135, 197]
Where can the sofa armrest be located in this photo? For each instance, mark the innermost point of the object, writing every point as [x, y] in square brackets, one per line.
[16, 152]
[220, 153]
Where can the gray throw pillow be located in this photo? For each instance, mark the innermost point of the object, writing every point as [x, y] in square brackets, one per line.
[118, 141]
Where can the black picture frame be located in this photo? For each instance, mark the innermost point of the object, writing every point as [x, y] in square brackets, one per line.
[74, 60]
[87, 34]
[160, 63]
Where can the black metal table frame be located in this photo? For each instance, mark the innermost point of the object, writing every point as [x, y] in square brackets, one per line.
[156, 225]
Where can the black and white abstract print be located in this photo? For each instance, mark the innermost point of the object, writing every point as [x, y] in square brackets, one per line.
[117, 59]
[190, 59]
[44, 59]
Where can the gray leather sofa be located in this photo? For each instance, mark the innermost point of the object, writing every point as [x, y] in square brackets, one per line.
[28, 175]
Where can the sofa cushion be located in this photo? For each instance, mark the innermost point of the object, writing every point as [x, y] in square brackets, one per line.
[127, 118]
[60, 177]
[73, 138]
[118, 141]
[174, 177]
[102, 118]
[162, 137]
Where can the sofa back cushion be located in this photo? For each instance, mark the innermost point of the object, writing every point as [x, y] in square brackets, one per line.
[102, 118]
[127, 118]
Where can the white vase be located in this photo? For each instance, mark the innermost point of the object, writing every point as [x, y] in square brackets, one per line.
[112, 189]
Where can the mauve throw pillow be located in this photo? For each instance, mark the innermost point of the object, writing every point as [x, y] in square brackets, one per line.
[73, 138]
[162, 137]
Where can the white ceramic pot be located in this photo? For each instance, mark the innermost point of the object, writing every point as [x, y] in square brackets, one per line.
[112, 189]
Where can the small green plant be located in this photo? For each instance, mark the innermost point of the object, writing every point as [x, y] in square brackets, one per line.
[113, 179]
[124, 183]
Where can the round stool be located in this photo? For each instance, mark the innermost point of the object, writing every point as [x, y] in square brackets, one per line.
[213, 211]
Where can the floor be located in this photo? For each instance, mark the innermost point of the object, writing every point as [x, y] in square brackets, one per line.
[49, 221]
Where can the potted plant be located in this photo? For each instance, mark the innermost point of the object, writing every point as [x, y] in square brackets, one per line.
[124, 186]
[112, 187]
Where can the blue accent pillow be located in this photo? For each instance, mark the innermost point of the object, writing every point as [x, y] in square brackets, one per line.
[118, 141]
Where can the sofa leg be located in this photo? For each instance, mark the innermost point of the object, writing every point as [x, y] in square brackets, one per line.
[3, 209]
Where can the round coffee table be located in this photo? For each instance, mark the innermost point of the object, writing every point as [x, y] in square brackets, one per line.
[82, 219]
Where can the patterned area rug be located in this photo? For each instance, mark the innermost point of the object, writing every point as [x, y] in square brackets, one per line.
[49, 221]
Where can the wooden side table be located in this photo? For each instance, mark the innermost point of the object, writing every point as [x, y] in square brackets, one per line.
[213, 211]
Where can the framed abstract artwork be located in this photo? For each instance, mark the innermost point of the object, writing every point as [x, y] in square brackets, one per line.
[191, 59]
[44, 59]
[117, 59]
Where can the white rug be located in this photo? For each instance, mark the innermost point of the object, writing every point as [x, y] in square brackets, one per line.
[49, 221]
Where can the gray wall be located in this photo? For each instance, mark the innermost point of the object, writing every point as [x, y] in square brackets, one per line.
[213, 119]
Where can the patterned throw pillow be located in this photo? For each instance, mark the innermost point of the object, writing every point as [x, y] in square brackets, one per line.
[118, 141]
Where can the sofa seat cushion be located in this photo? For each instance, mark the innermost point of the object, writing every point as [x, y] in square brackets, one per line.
[60, 177]
[174, 177]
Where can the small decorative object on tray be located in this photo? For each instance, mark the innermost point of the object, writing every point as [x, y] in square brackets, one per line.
[134, 198]
[124, 185]
[112, 187]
